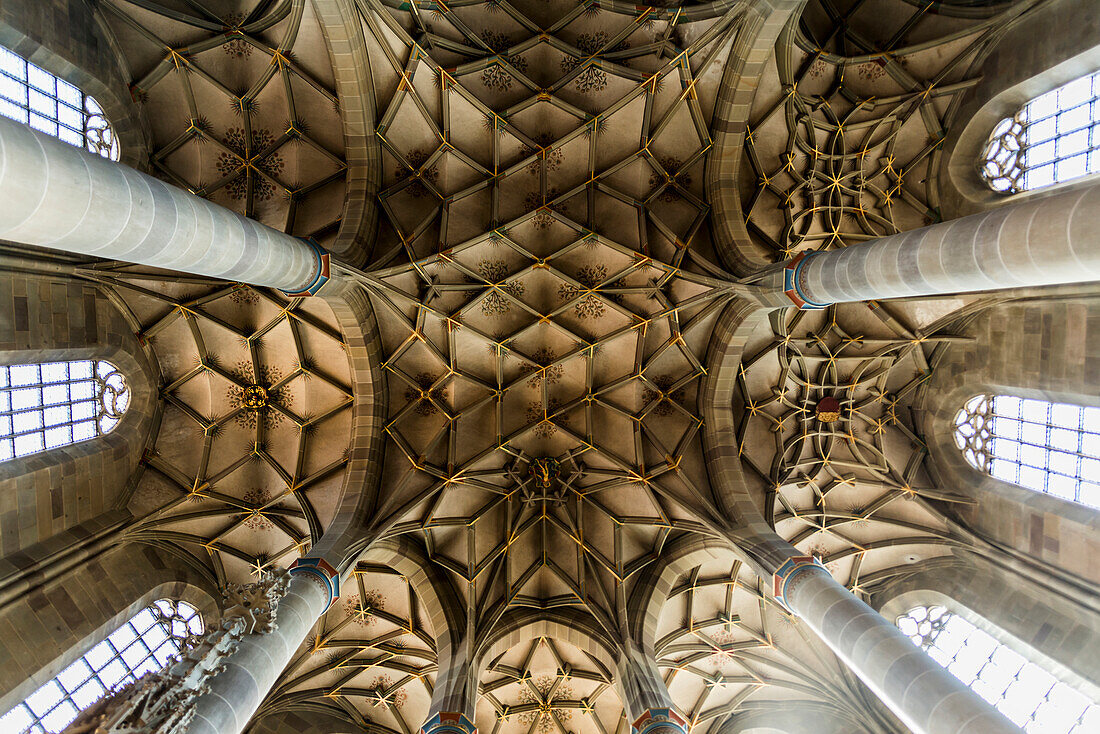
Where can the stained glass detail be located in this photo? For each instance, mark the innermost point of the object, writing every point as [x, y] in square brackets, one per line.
[1028, 695]
[35, 97]
[1053, 138]
[145, 643]
[1044, 446]
[43, 406]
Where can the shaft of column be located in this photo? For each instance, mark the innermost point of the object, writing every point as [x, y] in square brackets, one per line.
[923, 694]
[231, 696]
[216, 684]
[1048, 241]
[644, 695]
[456, 677]
[454, 695]
[61, 197]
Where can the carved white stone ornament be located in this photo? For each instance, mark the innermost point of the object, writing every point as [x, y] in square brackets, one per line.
[163, 702]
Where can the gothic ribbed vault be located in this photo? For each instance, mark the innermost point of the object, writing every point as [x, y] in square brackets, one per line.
[552, 244]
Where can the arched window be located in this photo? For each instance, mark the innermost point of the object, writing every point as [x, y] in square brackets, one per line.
[1028, 695]
[37, 98]
[43, 406]
[1044, 446]
[1053, 138]
[143, 644]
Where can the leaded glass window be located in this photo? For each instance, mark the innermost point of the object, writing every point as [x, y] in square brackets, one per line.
[1027, 694]
[1044, 446]
[1053, 138]
[37, 98]
[145, 643]
[43, 406]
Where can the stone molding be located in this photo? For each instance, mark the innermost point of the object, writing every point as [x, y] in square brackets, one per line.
[660, 721]
[319, 571]
[448, 721]
[791, 568]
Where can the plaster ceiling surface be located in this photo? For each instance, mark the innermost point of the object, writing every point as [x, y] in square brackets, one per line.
[251, 451]
[845, 136]
[544, 289]
[240, 104]
[545, 284]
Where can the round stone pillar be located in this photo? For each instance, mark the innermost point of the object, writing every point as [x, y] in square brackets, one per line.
[233, 694]
[923, 694]
[216, 684]
[1046, 241]
[61, 197]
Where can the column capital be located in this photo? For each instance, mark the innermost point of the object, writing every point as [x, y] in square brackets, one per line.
[794, 281]
[660, 721]
[322, 270]
[320, 570]
[448, 722]
[791, 568]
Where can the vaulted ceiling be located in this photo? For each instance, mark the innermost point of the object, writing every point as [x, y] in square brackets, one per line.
[546, 286]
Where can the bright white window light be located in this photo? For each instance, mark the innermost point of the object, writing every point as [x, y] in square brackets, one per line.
[142, 645]
[36, 97]
[1053, 138]
[1044, 446]
[1028, 695]
[43, 406]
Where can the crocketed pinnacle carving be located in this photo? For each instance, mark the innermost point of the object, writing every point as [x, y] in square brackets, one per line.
[253, 606]
[164, 702]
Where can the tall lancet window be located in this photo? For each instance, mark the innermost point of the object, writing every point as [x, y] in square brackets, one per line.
[1044, 446]
[1026, 693]
[1053, 138]
[37, 98]
[43, 406]
[145, 643]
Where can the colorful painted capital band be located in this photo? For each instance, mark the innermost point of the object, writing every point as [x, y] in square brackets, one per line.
[654, 720]
[322, 271]
[792, 286]
[448, 722]
[320, 569]
[791, 568]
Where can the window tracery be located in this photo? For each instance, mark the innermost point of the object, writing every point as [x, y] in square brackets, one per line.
[143, 644]
[1028, 695]
[44, 406]
[35, 97]
[1047, 447]
[1053, 138]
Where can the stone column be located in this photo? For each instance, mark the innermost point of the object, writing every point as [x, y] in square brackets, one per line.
[218, 683]
[1046, 241]
[455, 693]
[231, 697]
[63, 198]
[924, 695]
[644, 694]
